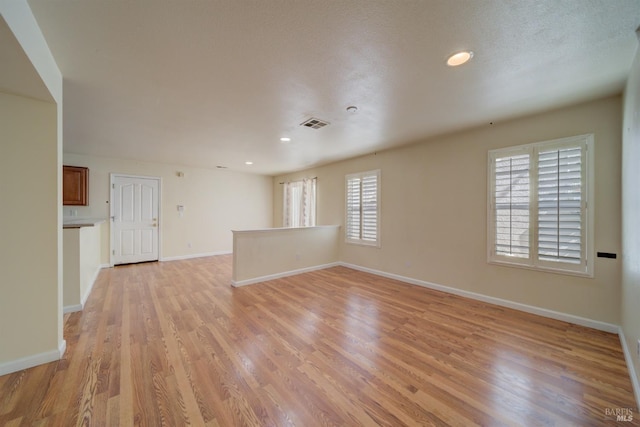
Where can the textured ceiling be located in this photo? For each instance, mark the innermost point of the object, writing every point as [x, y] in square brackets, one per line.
[218, 82]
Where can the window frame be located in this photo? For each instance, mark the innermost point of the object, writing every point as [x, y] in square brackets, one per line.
[360, 241]
[586, 265]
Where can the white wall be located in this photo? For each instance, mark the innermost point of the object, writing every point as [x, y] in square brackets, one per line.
[82, 252]
[631, 215]
[90, 264]
[434, 211]
[216, 201]
[30, 173]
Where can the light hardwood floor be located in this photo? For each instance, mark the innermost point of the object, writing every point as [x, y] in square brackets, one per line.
[173, 344]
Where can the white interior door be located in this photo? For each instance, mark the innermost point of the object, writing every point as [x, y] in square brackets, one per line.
[134, 219]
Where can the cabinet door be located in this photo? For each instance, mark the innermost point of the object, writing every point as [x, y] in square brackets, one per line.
[75, 186]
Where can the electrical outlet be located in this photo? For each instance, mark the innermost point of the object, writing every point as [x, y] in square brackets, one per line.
[189, 245]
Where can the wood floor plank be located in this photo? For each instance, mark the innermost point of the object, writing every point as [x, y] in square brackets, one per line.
[168, 344]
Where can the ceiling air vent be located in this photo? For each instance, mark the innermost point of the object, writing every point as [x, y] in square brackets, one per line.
[314, 123]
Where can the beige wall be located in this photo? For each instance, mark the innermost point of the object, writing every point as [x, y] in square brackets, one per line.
[31, 242]
[631, 215]
[30, 312]
[216, 201]
[18, 16]
[71, 268]
[259, 254]
[434, 211]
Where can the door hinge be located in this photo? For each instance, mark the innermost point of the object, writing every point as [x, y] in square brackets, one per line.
[113, 186]
[113, 252]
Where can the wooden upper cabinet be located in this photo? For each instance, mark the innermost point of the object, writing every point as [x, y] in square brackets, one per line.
[75, 186]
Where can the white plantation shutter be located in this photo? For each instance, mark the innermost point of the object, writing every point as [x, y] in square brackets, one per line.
[511, 204]
[538, 210]
[370, 208]
[560, 200]
[353, 208]
[362, 208]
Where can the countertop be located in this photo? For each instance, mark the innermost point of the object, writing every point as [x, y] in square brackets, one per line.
[81, 222]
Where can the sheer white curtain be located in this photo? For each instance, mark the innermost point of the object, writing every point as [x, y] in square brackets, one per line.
[299, 208]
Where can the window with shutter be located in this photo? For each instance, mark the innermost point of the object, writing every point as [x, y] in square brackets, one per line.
[512, 205]
[538, 211]
[363, 208]
[560, 205]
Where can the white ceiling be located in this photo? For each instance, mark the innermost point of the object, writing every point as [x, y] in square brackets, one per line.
[218, 82]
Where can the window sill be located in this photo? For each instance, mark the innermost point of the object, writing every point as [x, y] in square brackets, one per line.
[543, 269]
[363, 243]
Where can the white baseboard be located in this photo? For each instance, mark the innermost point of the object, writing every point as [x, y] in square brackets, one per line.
[202, 255]
[72, 308]
[62, 347]
[255, 280]
[33, 360]
[107, 265]
[595, 324]
[83, 298]
[630, 366]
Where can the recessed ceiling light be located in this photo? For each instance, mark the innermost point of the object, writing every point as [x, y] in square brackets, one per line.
[352, 109]
[248, 163]
[285, 139]
[459, 58]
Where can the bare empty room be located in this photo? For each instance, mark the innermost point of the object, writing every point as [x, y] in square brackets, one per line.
[358, 212]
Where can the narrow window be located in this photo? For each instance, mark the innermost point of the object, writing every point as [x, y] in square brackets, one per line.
[299, 208]
[560, 200]
[512, 205]
[363, 208]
